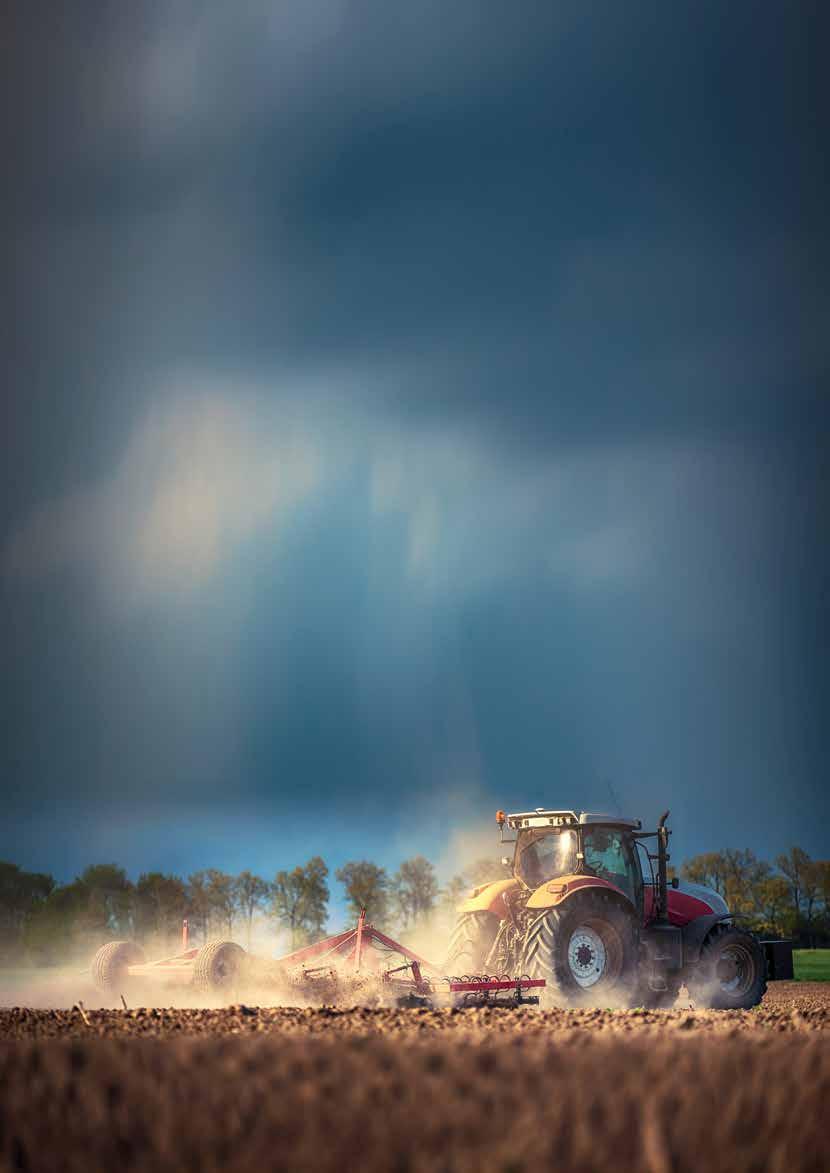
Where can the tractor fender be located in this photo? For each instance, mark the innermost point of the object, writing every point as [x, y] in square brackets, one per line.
[490, 898]
[553, 892]
[694, 934]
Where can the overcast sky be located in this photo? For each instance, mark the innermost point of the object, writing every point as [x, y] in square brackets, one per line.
[411, 409]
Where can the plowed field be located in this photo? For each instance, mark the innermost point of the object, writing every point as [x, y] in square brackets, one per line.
[247, 1088]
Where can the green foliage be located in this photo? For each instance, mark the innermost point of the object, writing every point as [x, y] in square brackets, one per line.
[76, 918]
[367, 886]
[792, 902]
[811, 965]
[299, 900]
[21, 894]
[51, 924]
[51, 933]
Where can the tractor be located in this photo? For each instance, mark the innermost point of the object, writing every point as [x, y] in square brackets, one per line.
[585, 909]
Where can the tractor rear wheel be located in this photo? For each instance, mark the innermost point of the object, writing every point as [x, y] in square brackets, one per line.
[471, 941]
[586, 950]
[218, 966]
[732, 972]
[111, 964]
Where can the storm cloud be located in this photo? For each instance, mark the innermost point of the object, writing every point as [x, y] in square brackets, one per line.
[407, 402]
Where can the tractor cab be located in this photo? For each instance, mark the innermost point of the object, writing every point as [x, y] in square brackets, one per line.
[552, 845]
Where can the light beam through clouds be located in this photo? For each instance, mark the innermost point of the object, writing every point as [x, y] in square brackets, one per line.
[205, 470]
[197, 477]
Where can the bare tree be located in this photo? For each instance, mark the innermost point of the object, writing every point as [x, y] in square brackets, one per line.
[250, 893]
[300, 898]
[222, 897]
[795, 865]
[744, 874]
[484, 871]
[452, 894]
[108, 900]
[198, 898]
[367, 886]
[775, 905]
[160, 903]
[416, 890]
[708, 869]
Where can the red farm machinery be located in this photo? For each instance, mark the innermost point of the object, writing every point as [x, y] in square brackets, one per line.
[588, 906]
[358, 966]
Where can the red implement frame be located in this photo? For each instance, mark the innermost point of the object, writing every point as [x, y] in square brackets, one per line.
[351, 946]
[350, 954]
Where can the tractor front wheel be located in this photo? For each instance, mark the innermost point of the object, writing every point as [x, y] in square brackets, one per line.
[586, 950]
[732, 972]
[218, 966]
[471, 941]
[111, 964]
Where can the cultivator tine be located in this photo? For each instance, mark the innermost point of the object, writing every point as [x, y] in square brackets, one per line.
[505, 990]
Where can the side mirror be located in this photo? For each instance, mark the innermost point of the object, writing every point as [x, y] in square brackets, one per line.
[675, 882]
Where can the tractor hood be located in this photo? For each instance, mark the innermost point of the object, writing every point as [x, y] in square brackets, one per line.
[689, 901]
[489, 897]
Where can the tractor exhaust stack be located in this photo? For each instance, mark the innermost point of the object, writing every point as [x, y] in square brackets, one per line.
[662, 859]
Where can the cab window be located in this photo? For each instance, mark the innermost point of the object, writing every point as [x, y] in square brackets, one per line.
[546, 856]
[609, 854]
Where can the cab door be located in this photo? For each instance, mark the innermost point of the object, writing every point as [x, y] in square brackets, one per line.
[611, 854]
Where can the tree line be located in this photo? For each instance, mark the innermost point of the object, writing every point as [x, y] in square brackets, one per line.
[790, 898]
[42, 922]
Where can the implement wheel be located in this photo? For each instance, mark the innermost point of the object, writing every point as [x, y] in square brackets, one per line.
[218, 966]
[110, 965]
[586, 950]
[732, 973]
[471, 941]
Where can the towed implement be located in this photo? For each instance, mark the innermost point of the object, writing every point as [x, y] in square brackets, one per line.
[585, 909]
[359, 966]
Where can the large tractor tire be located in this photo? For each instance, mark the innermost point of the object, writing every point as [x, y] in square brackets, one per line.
[732, 972]
[471, 941]
[586, 950]
[218, 966]
[111, 963]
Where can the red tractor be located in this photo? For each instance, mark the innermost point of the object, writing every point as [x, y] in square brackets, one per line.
[585, 910]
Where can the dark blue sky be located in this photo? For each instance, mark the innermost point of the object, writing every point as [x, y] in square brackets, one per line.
[411, 410]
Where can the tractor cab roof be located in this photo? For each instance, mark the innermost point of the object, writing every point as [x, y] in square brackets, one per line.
[559, 818]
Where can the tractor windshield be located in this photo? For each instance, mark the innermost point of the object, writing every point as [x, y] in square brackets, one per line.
[544, 855]
[607, 852]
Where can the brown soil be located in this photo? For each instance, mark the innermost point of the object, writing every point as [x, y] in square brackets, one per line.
[787, 1007]
[246, 1088]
